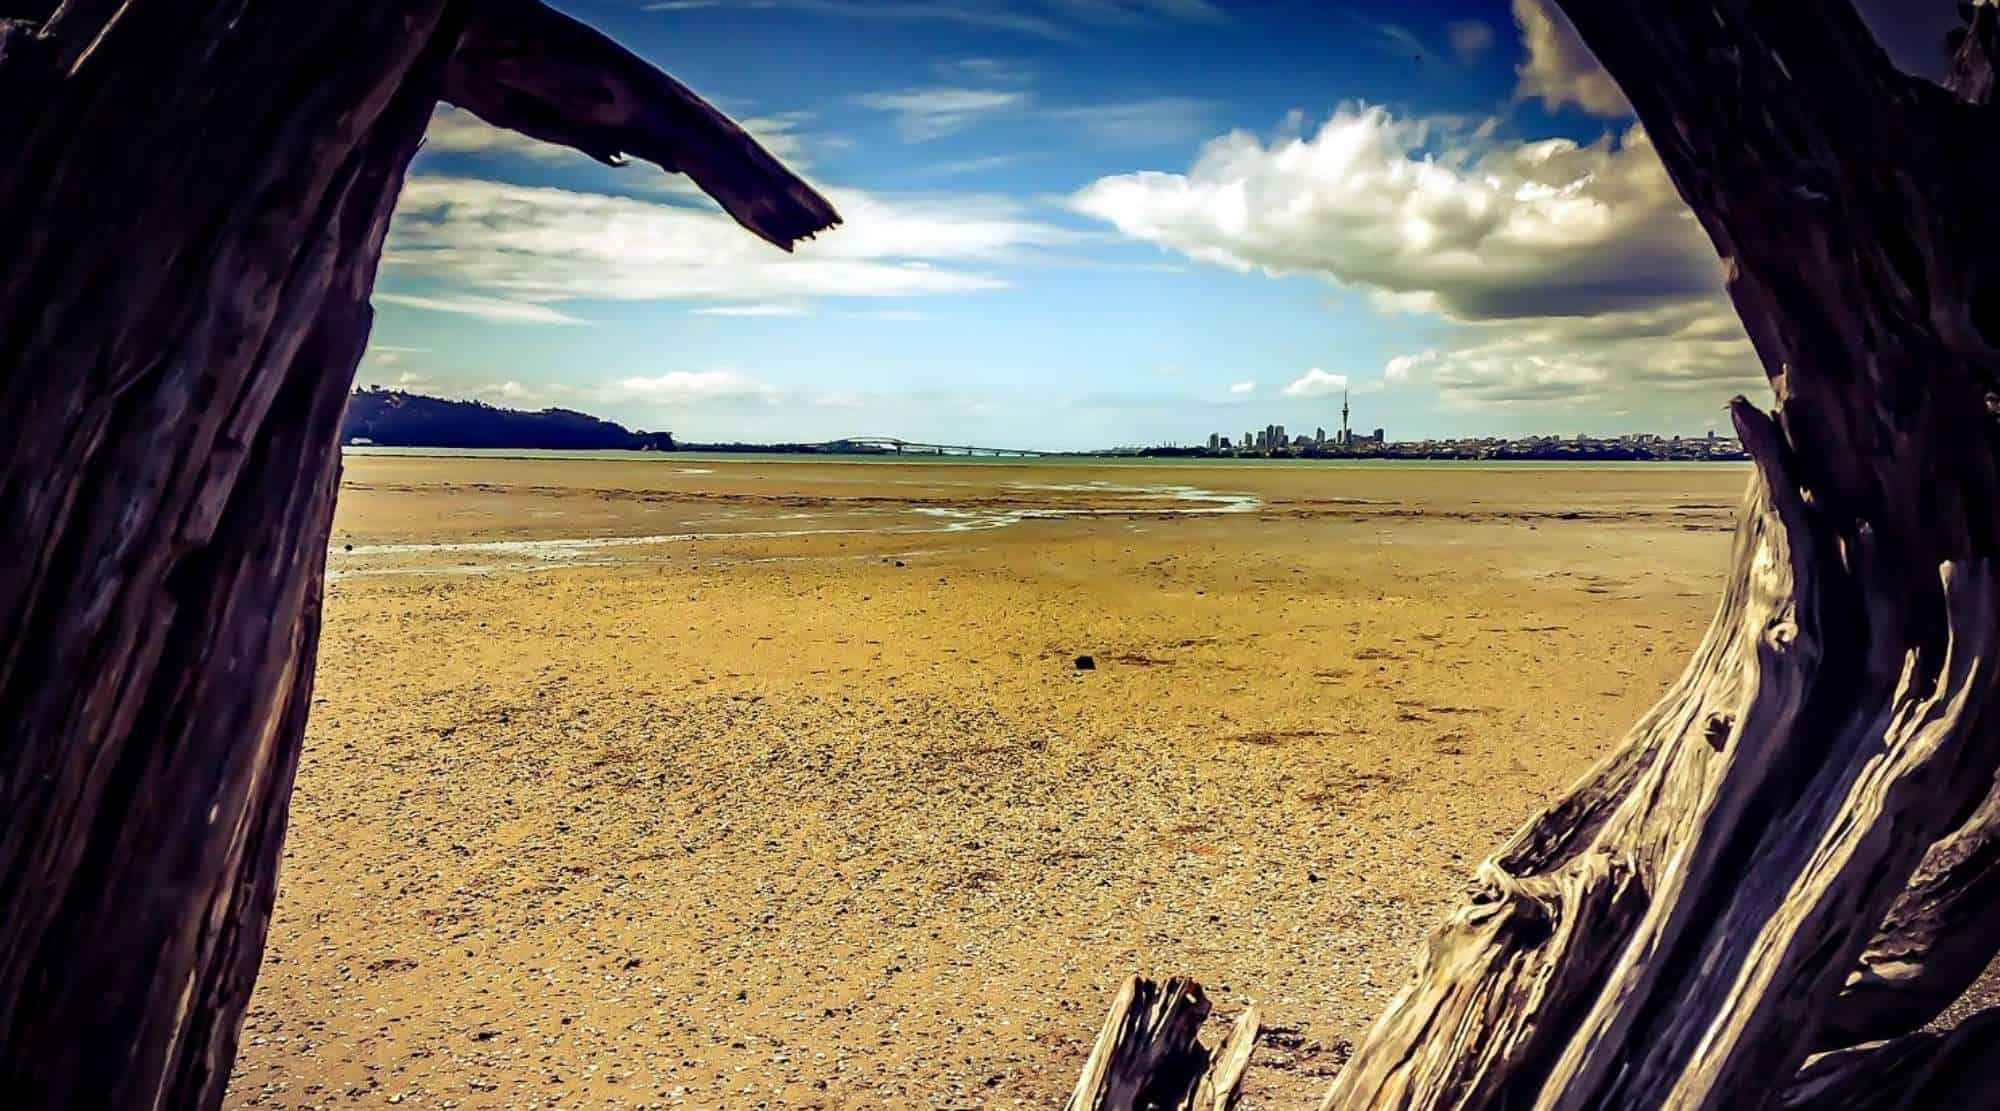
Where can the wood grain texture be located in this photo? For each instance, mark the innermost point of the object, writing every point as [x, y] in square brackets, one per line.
[1940, 935]
[1916, 1072]
[1944, 930]
[1221, 1085]
[185, 301]
[1147, 1056]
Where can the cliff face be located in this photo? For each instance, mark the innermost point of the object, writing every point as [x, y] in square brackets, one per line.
[396, 419]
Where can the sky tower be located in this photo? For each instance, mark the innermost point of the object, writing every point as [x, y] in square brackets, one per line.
[1346, 437]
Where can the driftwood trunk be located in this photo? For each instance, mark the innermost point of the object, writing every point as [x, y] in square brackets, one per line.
[1701, 914]
[1798, 849]
[193, 200]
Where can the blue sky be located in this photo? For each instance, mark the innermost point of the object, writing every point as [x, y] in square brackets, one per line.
[1078, 223]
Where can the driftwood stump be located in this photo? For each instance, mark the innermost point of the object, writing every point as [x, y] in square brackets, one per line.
[193, 198]
[1147, 1057]
[1798, 849]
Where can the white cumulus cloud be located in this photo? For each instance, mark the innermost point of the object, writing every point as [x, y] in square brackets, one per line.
[1316, 383]
[1479, 231]
[1569, 270]
[1243, 388]
[1559, 69]
[1398, 368]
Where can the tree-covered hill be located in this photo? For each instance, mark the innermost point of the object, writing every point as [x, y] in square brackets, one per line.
[393, 418]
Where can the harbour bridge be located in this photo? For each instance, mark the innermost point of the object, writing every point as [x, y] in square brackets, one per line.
[911, 447]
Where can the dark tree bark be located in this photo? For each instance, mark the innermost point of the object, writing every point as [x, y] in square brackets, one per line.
[1944, 930]
[1940, 935]
[1917, 1072]
[193, 200]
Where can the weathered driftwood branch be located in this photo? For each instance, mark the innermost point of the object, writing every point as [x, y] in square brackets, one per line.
[523, 66]
[1147, 1056]
[1974, 49]
[174, 359]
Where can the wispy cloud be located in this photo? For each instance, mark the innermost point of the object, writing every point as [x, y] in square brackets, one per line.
[971, 165]
[1392, 37]
[458, 131]
[932, 113]
[1242, 388]
[515, 250]
[1149, 122]
[1055, 20]
[684, 387]
[1129, 12]
[486, 308]
[1469, 38]
[751, 310]
[984, 71]
[926, 114]
[388, 355]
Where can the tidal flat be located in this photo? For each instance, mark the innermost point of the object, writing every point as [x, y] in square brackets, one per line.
[727, 782]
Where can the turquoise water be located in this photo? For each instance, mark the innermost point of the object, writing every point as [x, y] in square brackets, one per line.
[685, 457]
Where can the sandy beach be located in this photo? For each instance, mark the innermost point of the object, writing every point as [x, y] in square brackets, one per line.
[713, 782]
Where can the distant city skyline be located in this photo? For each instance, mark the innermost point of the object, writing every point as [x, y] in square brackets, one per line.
[1271, 438]
[1076, 224]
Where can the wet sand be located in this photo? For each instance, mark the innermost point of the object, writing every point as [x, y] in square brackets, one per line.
[729, 783]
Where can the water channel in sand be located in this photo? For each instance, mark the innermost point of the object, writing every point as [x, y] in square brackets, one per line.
[1108, 500]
